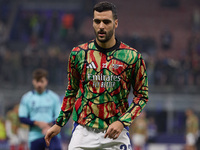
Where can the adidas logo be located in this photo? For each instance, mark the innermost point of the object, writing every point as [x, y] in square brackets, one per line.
[91, 65]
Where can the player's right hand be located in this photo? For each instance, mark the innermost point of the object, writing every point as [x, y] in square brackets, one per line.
[53, 131]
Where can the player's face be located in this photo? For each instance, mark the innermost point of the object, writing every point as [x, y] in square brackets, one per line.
[40, 85]
[104, 25]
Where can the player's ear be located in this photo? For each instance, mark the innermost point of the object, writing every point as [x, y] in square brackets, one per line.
[47, 82]
[33, 81]
[116, 23]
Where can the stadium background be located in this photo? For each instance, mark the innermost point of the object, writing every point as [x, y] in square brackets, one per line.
[41, 33]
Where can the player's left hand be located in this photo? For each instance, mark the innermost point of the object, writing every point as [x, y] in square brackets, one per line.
[114, 130]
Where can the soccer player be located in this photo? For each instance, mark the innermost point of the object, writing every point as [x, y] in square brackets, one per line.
[101, 73]
[12, 125]
[139, 135]
[192, 129]
[39, 109]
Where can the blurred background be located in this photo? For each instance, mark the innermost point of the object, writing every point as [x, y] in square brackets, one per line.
[41, 33]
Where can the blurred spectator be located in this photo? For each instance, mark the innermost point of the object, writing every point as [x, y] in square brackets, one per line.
[150, 64]
[68, 21]
[7, 66]
[3, 136]
[2, 129]
[37, 31]
[152, 130]
[166, 39]
[23, 136]
[170, 3]
[13, 128]
[139, 132]
[2, 31]
[5, 7]
[196, 20]
[55, 27]
[194, 54]
[192, 129]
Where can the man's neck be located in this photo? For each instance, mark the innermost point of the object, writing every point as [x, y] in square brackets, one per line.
[40, 92]
[108, 44]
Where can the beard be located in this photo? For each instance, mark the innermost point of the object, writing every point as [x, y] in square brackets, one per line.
[108, 35]
[39, 90]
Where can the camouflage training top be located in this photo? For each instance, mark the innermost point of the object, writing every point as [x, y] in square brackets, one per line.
[99, 84]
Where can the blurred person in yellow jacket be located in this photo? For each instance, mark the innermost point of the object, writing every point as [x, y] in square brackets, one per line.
[2, 129]
[192, 129]
[139, 132]
[3, 137]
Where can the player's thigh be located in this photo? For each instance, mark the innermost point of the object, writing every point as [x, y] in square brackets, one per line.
[38, 144]
[121, 143]
[78, 139]
[55, 144]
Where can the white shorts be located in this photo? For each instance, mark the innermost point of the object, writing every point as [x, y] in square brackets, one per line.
[138, 139]
[87, 138]
[190, 139]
